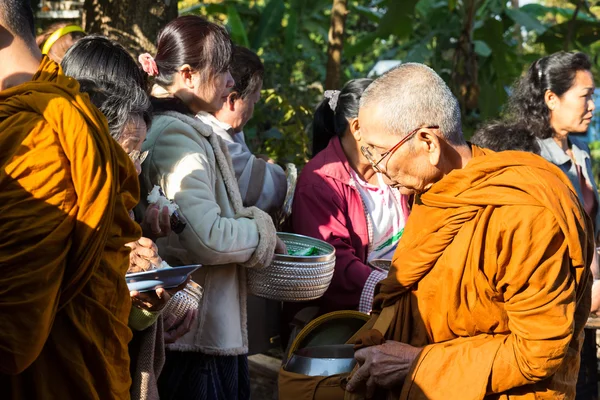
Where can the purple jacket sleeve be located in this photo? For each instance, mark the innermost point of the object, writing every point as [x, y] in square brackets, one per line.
[318, 211]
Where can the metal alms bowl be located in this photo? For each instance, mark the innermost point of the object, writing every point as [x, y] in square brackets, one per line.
[322, 360]
[293, 277]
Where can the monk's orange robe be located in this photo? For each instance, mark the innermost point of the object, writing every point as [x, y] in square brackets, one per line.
[491, 278]
[65, 190]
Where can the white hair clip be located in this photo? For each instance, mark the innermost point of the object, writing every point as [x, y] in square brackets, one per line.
[333, 96]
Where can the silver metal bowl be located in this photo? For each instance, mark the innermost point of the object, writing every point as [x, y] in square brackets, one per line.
[295, 278]
[322, 360]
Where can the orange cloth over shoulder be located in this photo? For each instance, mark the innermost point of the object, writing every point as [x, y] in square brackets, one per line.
[492, 278]
[65, 190]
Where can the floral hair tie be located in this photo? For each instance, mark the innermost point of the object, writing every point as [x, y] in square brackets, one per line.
[148, 64]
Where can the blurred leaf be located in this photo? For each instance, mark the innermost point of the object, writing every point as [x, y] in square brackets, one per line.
[291, 30]
[273, 133]
[362, 46]
[270, 22]
[526, 20]
[238, 32]
[424, 7]
[398, 19]
[371, 13]
[482, 48]
[541, 11]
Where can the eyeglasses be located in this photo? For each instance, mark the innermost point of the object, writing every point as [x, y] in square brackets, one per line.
[375, 164]
[137, 156]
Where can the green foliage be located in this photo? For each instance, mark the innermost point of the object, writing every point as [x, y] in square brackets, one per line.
[595, 152]
[291, 38]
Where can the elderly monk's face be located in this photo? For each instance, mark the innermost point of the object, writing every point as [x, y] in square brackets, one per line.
[413, 167]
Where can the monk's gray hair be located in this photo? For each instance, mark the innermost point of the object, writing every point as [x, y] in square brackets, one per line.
[414, 96]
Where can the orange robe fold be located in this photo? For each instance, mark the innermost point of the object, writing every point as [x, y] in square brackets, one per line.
[492, 279]
[65, 190]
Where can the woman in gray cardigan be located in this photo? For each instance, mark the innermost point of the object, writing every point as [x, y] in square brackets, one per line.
[193, 167]
[554, 101]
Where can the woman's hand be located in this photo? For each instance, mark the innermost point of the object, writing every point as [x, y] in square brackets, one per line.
[143, 255]
[150, 301]
[157, 300]
[280, 247]
[156, 223]
[385, 366]
[174, 328]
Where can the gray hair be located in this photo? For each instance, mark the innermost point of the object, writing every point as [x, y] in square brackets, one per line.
[119, 103]
[414, 96]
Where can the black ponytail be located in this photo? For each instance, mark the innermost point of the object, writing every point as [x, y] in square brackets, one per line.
[328, 123]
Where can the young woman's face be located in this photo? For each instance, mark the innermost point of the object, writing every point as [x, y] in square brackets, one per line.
[572, 112]
[211, 95]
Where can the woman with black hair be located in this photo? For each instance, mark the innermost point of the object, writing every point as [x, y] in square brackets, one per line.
[554, 100]
[340, 199]
[99, 58]
[191, 163]
[127, 108]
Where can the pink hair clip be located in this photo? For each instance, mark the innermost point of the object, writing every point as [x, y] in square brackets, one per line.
[148, 64]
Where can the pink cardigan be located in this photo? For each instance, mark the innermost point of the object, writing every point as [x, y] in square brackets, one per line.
[328, 206]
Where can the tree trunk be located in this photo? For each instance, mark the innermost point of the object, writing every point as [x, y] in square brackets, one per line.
[134, 24]
[465, 69]
[339, 11]
[518, 37]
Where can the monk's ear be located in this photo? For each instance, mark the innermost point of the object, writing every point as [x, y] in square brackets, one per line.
[430, 142]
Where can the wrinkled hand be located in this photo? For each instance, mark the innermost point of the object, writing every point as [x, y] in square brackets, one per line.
[280, 247]
[174, 328]
[385, 366]
[151, 301]
[156, 223]
[143, 255]
[157, 300]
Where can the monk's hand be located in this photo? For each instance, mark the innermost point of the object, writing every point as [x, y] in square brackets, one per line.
[143, 256]
[151, 301]
[385, 366]
[176, 328]
[280, 247]
[156, 223]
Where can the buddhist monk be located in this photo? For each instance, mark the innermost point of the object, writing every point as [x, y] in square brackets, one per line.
[65, 190]
[489, 288]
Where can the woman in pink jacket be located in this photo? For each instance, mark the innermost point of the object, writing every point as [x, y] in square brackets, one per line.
[341, 200]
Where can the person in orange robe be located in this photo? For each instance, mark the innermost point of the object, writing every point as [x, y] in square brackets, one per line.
[489, 288]
[65, 190]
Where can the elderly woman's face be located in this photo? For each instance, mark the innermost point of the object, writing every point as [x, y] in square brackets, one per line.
[411, 167]
[572, 112]
[132, 138]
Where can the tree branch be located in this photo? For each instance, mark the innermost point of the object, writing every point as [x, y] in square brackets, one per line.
[571, 29]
